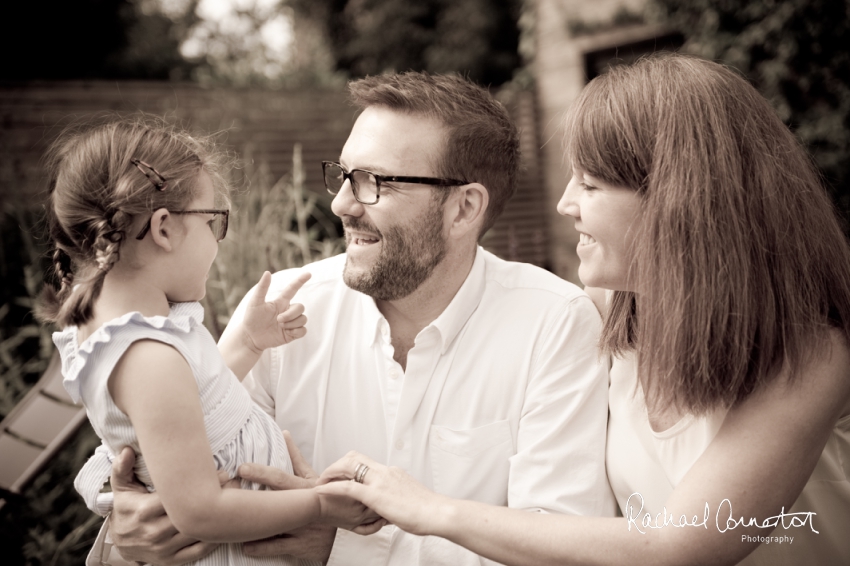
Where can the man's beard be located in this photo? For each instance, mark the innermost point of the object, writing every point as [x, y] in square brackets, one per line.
[408, 256]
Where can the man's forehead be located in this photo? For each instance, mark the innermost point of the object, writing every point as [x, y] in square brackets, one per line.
[384, 140]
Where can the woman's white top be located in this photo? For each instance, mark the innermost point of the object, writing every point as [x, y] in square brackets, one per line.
[237, 429]
[641, 461]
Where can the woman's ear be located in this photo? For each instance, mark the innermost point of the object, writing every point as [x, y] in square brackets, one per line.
[162, 229]
[469, 208]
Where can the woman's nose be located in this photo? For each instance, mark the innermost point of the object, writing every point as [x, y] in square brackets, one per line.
[568, 206]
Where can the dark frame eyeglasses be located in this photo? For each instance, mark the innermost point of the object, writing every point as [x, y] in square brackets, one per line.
[335, 176]
[219, 232]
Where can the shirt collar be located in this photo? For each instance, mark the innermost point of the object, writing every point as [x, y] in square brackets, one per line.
[450, 321]
[193, 310]
[373, 320]
[464, 303]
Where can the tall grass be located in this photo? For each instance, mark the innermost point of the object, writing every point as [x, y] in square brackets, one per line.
[48, 523]
[274, 225]
[25, 345]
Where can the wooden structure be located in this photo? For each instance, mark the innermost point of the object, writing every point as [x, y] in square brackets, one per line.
[36, 428]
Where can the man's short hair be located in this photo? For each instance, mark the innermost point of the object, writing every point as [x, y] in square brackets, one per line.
[482, 145]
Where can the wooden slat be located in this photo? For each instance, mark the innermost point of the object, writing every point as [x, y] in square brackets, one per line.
[36, 428]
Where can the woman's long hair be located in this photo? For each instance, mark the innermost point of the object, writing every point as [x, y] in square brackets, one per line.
[740, 264]
[96, 194]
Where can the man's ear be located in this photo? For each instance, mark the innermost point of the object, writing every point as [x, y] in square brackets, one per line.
[162, 228]
[469, 206]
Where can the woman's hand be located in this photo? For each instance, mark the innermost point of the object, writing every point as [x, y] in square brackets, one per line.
[267, 324]
[389, 491]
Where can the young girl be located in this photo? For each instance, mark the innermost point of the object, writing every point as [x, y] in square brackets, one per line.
[134, 219]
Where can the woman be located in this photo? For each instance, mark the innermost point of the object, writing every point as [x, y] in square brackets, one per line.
[728, 322]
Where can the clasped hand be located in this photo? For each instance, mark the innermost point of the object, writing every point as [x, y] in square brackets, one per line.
[387, 490]
[143, 532]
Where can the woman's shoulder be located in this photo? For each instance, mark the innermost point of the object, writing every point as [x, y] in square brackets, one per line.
[826, 366]
[818, 389]
[832, 370]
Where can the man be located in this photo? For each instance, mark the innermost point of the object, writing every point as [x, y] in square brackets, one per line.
[478, 376]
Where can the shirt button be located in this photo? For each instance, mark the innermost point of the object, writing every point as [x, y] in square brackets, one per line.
[399, 445]
[394, 373]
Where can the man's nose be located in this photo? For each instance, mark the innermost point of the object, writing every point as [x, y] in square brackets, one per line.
[344, 203]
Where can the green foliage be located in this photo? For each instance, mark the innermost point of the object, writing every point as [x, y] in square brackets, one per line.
[478, 38]
[55, 39]
[250, 43]
[48, 524]
[796, 53]
[25, 345]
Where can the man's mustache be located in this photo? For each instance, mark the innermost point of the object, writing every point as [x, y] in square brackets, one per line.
[360, 225]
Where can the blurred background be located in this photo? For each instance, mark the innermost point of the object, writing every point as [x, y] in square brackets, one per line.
[268, 77]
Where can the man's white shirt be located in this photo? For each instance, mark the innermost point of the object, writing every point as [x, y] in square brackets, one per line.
[503, 401]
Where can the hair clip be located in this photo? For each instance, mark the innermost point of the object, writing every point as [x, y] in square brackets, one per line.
[160, 182]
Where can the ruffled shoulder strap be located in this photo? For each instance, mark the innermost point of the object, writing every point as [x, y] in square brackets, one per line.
[102, 350]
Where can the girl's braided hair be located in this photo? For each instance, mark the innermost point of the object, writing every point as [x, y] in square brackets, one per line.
[97, 192]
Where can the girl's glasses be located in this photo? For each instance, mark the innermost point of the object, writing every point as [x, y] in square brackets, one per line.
[218, 224]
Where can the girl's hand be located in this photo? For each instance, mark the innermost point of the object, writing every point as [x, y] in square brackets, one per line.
[347, 513]
[273, 323]
[389, 491]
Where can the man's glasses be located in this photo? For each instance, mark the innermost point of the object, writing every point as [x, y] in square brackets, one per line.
[366, 186]
[218, 224]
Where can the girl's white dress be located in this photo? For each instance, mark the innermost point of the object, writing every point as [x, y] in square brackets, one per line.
[237, 429]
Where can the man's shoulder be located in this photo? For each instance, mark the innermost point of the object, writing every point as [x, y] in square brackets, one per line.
[528, 278]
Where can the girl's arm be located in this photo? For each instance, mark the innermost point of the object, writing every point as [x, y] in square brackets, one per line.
[154, 386]
[266, 324]
[760, 461]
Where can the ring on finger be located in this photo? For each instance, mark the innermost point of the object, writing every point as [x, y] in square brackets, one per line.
[360, 472]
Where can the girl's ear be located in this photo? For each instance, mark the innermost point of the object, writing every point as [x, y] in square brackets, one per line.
[162, 228]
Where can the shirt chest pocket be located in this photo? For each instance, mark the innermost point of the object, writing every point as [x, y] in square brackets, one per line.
[473, 463]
